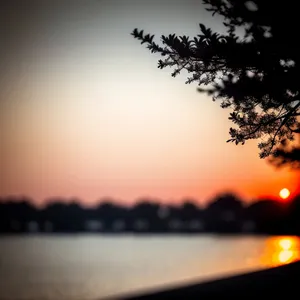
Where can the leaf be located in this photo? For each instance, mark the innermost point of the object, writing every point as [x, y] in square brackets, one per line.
[202, 27]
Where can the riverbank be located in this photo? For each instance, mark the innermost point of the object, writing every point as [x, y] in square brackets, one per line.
[283, 280]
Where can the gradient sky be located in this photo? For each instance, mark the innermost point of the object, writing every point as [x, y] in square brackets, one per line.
[85, 112]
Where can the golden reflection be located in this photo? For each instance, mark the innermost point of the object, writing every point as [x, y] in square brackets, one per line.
[285, 256]
[286, 243]
[281, 250]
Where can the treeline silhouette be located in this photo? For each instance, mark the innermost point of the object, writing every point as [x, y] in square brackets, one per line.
[225, 214]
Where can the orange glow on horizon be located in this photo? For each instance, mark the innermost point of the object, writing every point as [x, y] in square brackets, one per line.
[281, 250]
[152, 136]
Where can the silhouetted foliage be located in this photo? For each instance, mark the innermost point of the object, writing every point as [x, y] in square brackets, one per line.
[145, 216]
[294, 215]
[109, 212]
[287, 157]
[189, 210]
[269, 216]
[65, 217]
[15, 213]
[252, 68]
[226, 213]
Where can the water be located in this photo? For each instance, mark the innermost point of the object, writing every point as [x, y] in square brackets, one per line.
[94, 267]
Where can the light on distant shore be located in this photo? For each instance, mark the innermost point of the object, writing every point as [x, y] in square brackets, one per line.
[284, 193]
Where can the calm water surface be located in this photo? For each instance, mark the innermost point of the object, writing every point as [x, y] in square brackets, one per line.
[94, 267]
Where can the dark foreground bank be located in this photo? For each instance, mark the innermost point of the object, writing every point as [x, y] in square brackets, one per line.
[283, 281]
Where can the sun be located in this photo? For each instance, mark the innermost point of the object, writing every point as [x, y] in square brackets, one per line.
[284, 193]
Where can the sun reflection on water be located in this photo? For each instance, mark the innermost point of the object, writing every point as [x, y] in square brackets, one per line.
[281, 250]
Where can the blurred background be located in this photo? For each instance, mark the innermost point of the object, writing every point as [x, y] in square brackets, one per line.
[114, 176]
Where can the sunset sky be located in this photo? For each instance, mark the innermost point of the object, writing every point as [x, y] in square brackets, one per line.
[85, 112]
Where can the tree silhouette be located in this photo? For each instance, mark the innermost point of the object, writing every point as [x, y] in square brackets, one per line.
[270, 216]
[190, 211]
[109, 212]
[252, 68]
[294, 213]
[224, 213]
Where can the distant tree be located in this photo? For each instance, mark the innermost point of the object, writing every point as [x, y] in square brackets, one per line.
[253, 68]
[226, 201]
[109, 212]
[269, 216]
[224, 213]
[189, 210]
[64, 217]
[294, 216]
[76, 216]
[148, 211]
[18, 210]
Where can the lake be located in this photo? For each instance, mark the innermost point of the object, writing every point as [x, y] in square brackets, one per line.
[96, 266]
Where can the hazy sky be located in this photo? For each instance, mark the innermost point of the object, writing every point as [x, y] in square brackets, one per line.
[85, 112]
